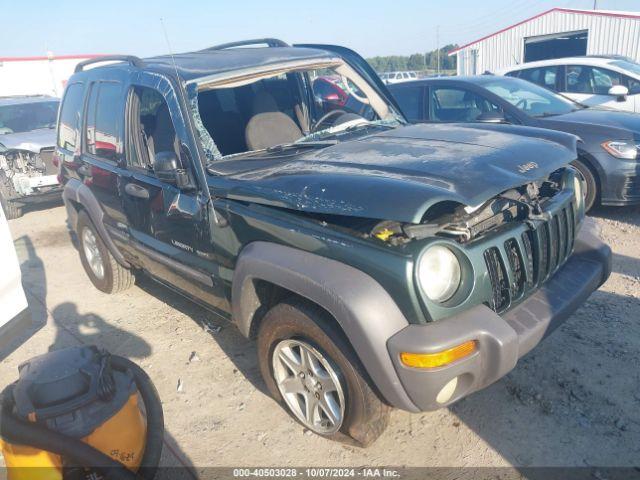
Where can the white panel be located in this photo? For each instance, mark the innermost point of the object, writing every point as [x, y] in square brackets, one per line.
[32, 77]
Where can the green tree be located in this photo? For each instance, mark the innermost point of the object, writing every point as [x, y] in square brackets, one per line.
[416, 61]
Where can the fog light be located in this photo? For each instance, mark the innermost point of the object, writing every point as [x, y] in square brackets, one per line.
[438, 359]
[447, 391]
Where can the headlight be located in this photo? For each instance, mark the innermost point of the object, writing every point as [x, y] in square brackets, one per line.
[439, 273]
[621, 149]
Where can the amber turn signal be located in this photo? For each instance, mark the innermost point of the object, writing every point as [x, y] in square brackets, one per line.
[439, 359]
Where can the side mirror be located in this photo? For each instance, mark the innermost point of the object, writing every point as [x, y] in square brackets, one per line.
[491, 117]
[619, 91]
[166, 168]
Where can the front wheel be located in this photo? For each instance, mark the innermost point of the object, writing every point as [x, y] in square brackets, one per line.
[589, 184]
[311, 369]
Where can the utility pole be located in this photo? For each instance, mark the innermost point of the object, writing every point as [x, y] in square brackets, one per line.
[595, 4]
[438, 49]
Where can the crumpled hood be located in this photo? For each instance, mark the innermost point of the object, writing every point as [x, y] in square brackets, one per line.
[33, 141]
[399, 174]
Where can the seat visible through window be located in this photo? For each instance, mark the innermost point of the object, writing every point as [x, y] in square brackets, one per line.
[269, 126]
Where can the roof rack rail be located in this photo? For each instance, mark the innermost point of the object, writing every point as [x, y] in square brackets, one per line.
[270, 42]
[133, 61]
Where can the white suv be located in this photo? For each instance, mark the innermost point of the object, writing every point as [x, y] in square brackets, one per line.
[610, 81]
[398, 77]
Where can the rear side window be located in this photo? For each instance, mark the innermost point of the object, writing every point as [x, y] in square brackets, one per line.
[410, 100]
[543, 76]
[105, 116]
[70, 113]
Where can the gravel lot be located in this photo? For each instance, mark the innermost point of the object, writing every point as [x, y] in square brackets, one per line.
[574, 401]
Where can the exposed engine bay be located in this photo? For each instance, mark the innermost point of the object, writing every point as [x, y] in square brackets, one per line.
[464, 223]
[28, 172]
[453, 220]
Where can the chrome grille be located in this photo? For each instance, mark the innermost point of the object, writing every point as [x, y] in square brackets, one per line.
[530, 259]
[499, 281]
[517, 266]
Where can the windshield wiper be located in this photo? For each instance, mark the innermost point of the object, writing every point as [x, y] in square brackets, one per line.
[311, 144]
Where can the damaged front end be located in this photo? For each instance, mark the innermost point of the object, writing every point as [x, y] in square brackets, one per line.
[497, 253]
[465, 223]
[25, 172]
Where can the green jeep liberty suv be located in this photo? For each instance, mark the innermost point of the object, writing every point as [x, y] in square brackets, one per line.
[378, 264]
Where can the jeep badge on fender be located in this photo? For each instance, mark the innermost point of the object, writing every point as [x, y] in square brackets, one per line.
[525, 167]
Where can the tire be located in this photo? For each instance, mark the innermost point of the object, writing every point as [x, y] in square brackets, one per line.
[114, 277]
[293, 322]
[11, 209]
[589, 183]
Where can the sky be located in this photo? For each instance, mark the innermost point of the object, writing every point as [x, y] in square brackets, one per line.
[390, 27]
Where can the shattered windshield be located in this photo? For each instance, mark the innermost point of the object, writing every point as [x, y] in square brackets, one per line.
[25, 117]
[288, 109]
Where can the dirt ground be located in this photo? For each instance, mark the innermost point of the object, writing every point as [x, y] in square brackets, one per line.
[573, 401]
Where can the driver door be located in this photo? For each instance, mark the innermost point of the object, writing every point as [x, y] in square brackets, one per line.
[168, 218]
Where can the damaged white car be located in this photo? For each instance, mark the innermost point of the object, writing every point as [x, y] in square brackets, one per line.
[27, 139]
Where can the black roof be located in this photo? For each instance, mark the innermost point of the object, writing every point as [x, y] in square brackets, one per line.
[211, 61]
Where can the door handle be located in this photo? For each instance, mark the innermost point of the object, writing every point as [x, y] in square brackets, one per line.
[136, 190]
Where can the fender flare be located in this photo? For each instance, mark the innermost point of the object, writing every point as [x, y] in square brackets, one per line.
[362, 307]
[79, 193]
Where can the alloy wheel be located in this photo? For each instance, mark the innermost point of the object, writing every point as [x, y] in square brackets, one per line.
[92, 253]
[309, 385]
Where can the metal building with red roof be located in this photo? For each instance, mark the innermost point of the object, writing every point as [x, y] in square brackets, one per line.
[556, 33]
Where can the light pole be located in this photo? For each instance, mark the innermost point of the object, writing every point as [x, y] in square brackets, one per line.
[438, 49]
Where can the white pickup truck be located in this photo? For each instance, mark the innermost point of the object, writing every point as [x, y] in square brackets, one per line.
[28, 171]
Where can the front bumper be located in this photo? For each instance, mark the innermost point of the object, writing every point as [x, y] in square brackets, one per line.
[502, 340]
[30, 190]
[619, 180]
[51, 194]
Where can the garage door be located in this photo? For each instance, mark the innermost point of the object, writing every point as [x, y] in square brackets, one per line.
[559, 45]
